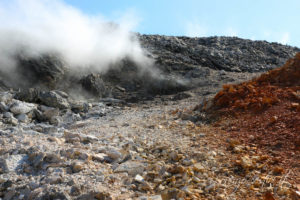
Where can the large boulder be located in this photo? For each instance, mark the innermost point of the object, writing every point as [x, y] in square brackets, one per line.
[53, 99]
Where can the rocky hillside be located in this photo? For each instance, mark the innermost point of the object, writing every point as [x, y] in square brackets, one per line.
[219, 53]
[131, 133]
[183, 63]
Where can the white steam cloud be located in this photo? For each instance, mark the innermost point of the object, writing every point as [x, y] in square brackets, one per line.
[43, 26]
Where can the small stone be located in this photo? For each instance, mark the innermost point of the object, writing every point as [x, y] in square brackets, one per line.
[145, 186]
[13, 121]
[246, 162]
[210, 187]
[178, 169]
[71, 137]
[113, 153]
[139, 178]
[238, 149]
[221, 197]
[161, 188]
[54, 139]
[198, 168]
[54, 180]
[36, 159]
[8, 115]
[50, 112]
[14, 162]
[187, 190]
[131, 167]
[188, 162]
[23, 118]
[278, 170]
[75, 190]
[196, 179]
[283, 191]
[77, 167]
[155, 197]
[202, 135]
[3, 166]
[172, 193]
[52, 158]
[273, 119]
[6, 97]
[99, 157]
[10, 194]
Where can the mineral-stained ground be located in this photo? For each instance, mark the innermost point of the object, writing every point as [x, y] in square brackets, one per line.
[168, 133]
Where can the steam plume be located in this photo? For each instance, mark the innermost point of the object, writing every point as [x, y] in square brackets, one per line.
[43, 26]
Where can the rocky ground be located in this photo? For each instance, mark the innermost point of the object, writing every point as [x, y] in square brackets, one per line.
[133, 152]
[138, 139]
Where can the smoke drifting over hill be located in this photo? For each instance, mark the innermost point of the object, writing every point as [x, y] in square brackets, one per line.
[35, 27]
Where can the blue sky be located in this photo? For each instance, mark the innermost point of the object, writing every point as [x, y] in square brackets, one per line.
[271, 20]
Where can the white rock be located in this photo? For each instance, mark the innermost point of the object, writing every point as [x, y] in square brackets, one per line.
[113, 153]
[19, 107]
[8, 115]
[139, 178]
[13, 162]
[22, 118]
[3, 107]
[6, 97]
[131, 167]
[155, 197]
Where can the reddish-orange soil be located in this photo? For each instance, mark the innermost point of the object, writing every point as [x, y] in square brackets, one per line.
[265, 112]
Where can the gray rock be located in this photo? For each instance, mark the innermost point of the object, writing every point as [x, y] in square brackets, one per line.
[62, 94]
[3, 166]
[49, 114]
[94, 84]
[8, 115]
[70, 118]
[44, 128]
[23, 118]
[54, 180]
[6, 97]
[155, 197]
[56, 120]
[52, 158]
[28, 95]
[88, 138]
[12, 120]
[12, 163]
[113, 153]
[30, 132]
[53, 99]
[78, 106]
[36, 159]
[71, 137]
[75, 190]
[19, 107]
[131, 167]
[3, 107]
